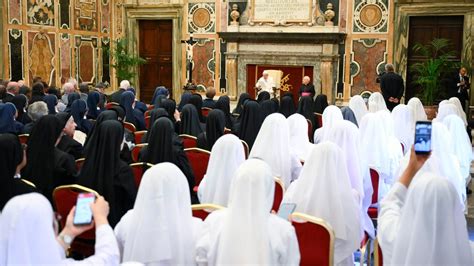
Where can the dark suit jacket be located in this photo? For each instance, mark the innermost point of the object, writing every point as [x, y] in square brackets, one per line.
[391, 85]
[462, 91]
[209, 103]
[115, 97]
[307, 88]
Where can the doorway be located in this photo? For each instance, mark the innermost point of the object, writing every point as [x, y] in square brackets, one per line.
[424, 30]
[156, 46]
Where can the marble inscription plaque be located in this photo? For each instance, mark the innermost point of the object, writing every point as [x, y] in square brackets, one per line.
[281, 11]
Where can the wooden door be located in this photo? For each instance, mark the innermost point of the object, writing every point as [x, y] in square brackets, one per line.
[424, 30]
[156, 47]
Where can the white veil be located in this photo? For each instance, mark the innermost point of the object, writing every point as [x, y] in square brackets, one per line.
[299, 140]
[404, 125]
[358, 106]
[331, 114]
[461, 113]
[377, 102]
[418, 109]
[462, 147]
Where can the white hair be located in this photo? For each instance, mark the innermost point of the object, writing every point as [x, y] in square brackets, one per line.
[73, 81]
[124, 84]
[265, 72]
[68, 87]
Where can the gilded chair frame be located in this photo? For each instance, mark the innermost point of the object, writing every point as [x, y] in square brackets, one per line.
[76, 187]
[298, 217]
[197, 149]
[29, 183]
[141, 146]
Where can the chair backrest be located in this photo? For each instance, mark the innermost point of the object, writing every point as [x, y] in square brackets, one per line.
[203, 210]
[139, 136]
[23, 138]
[29, 183]
[136, 151]
[198, 159]
[315, 239]
[188, 141]
[246, 149]
[279, 192]
[110, 105]
[79, 164]
[65, 197]
[147, 121]
[130, 127]
[138, 171]
[374, 176]
[310, 129]
[205, 111]
[378, 256]
[319, 119]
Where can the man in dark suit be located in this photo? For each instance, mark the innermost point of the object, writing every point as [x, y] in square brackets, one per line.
[460, 87]
[392, 87]
[307, 89]
[11, 91]
[115, 97]
[209, 101]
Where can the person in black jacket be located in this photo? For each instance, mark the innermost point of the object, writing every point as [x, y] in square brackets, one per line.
[307, 89]
[106, 173]
[460, 87]
[116, 96]
[392, 87]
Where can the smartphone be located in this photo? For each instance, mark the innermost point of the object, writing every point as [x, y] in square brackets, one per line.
[423, 137]
[83, 212]
[286, 209]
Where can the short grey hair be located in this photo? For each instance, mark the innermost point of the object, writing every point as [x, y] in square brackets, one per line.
[389, 68]
[37, 110]
[68, 87]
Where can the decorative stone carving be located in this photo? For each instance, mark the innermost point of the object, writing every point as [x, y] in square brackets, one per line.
[329, 15]
[234, 15]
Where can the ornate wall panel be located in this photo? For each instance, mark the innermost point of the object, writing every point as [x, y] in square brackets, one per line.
[41, 55]
[370, 16]
[57, 39]
[368, 60]
[204, 62]
[201, 18]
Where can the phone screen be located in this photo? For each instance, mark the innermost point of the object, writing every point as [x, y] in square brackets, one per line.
[286, 209]
[83, 212]
[423, 137]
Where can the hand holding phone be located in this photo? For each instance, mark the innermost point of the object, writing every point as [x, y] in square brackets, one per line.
[423, 137]
[83, 212]
[286, 209]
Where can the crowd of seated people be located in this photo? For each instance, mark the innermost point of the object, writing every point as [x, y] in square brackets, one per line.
[344, 168]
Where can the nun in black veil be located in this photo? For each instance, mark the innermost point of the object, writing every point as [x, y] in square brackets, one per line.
[190, 123]
[106, 173]
[154, 115]
[320, 103]
[263, 96]
[165, 146]
[268, 107]
[240, 104]
[287, 106]
[47, 166]
[223, 104]
[12, 159]
[215, 125]
[249, 122]
[306, 109]
[196, 100]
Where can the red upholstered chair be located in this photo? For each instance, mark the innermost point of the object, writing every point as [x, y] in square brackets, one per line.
[374, 176]
[136, 151]
[205, 111]
[130, 127]
[315, 239]
[279, 192]
[150, 107]
[23, 138]
[110, 104]
[310, 130]
[138, 171]
[198, 159]
[188, 141]
[64, 198]
[227, 131]
[147, 121]
[319, 119]
[203, 210]
[378, 256]
[139, 136]
[79, 164]
[246, 149]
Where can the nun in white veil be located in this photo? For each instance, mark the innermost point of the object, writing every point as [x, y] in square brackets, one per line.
[443, 161]
[461, 144]
[404, 125]
[226, 156]
[419, 113]
[331, 115]
[246, 232]
[27, 236]
[324, 190]
[160, 229]
[380, 148]
[445, 108]
[346, 135]
[358, 106]
[299, 140]
[377, 102]
[424, 224]
[461, 113]
[272, 145]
